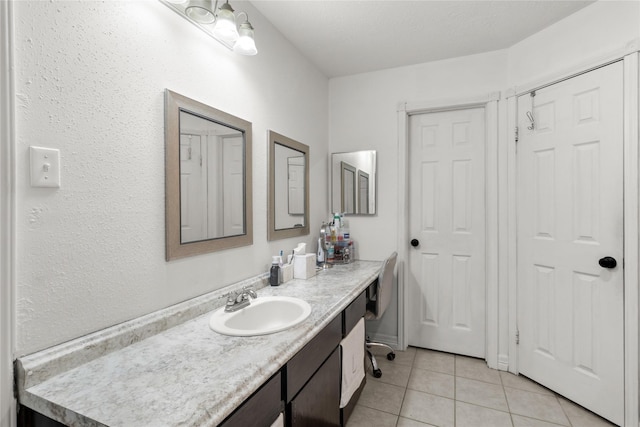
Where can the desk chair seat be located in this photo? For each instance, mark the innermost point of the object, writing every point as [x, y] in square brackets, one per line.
[378, 299]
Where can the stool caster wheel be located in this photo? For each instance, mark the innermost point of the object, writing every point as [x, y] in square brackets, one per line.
[377, 373]
[391, 356]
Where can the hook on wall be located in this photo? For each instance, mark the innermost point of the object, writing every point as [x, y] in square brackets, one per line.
[533, 123]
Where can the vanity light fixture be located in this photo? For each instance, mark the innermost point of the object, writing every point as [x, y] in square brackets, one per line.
[218, 22]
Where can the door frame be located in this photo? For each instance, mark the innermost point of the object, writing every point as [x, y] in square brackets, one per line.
[631, 79]
[7, 218]
[405, 109]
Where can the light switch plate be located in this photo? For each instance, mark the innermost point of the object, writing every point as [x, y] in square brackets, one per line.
[45, 167]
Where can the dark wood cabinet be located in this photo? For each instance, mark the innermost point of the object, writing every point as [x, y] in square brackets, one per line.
[318, 403]
[353, 313]
[261, 409]
[306, 362]
[314, 374]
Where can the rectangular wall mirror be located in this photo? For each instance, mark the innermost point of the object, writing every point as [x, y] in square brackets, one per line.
[288, 210]
[208, 178]
[353, 182]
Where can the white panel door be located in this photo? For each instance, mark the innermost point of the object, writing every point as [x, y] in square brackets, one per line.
[233, 184]
[295, 184]
[570, 309]
[447, 217]
[193, 207]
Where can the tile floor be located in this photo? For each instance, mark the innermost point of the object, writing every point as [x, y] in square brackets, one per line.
[428, 388]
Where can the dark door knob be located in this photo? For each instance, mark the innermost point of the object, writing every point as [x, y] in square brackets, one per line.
[415, 242]
[607, 262]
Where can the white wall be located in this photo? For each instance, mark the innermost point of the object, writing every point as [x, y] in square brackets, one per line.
[90, 78]
[594, 31]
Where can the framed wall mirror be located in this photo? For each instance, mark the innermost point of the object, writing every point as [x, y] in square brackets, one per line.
[353, 183]
[288, 198]
[208, 178]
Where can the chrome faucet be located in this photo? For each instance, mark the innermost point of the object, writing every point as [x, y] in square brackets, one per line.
[239, 299]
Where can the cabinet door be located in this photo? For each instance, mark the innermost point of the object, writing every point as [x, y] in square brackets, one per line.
[318, 402]
[302, 366]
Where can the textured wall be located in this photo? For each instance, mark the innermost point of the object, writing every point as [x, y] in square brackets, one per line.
[89, 80]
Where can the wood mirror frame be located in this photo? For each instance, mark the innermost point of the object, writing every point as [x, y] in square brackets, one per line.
[303, 230]
[175, 248]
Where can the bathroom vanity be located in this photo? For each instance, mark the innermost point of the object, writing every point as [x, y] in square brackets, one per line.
[169, 368]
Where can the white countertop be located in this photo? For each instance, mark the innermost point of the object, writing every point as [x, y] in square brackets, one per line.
[169, 368]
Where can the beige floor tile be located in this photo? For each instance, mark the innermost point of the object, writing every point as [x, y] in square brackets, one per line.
[523, 383]
[434, 361]
[580, 416]
[368, 417]
[382, 396]
[481, 393]
[405, 357]
[535, 405]
[406, 422]
[520, 421]
[476, 369]
[432, 382]
[402, 357]
[468, 415]
[392, 373]
[428, 408]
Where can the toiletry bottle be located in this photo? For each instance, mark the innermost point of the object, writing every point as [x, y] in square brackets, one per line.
[320, 258]
[331, 253]
[345, 230]
[337, 220]
[274, 273]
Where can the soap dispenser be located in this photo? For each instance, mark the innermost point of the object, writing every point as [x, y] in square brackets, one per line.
[274, 273]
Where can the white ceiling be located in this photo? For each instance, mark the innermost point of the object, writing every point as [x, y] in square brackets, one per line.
[344, 37]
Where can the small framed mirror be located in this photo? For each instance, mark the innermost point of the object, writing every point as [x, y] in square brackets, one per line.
[288, 210]
[353, 183]
[208, 178]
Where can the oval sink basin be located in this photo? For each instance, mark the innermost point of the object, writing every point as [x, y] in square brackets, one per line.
[265, 315]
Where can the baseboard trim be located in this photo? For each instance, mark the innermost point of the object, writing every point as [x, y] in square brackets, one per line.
[503, 362]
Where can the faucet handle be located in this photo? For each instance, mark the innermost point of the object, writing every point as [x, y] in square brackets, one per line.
[230, 296]
[250, 291]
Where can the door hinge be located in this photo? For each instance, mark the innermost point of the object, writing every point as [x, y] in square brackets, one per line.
[517, 134]
[517, 337]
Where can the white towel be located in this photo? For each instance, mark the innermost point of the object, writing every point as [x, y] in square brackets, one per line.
[279, 422]
[352, 353]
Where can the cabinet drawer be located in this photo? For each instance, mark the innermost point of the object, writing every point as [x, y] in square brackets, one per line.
[302, 366]
[353, 313]
[261, 409]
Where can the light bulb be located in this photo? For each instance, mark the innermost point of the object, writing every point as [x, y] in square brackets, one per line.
[225, 26]
[245, 45]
